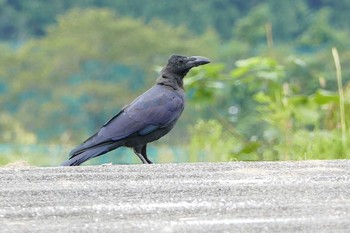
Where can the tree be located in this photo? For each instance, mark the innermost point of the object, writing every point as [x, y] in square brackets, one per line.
[87, 67]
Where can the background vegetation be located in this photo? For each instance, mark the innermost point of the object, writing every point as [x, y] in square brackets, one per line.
[272, 91]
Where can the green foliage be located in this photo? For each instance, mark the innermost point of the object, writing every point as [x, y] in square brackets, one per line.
[297, 124]
[13, 131]
[210, 142]
[292, 125]
[321, 33]
[21, 20]
[316, 144]
[13, 135]
[205, 84]
[270, 92]
[252, 27]
[86, 60]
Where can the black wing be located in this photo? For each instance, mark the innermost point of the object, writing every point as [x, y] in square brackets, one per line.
[156, 108]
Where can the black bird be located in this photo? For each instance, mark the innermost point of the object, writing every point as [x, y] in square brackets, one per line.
[146, 119]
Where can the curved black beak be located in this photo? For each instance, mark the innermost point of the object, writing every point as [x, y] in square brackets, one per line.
[197, 61]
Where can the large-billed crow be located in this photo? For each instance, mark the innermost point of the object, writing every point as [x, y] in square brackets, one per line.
[146, 119]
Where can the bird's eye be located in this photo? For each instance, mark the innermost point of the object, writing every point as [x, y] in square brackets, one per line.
[181, 61]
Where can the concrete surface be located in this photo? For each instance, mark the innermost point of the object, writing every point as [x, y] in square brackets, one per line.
[308, 196]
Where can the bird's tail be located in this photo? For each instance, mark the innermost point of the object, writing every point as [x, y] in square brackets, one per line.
[90, 153]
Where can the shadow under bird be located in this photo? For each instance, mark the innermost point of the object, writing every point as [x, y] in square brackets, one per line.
[148, 118]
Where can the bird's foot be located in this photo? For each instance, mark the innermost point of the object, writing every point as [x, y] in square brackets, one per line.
[106, 164]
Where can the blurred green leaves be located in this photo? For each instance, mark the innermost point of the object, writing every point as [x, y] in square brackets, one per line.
[255, 101]
[12, 131]
[204, 84]
[322, 97]
[87, 67]
[210, 142]
[293, 125]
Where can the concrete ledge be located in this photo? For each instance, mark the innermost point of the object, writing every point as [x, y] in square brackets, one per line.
[306, 196]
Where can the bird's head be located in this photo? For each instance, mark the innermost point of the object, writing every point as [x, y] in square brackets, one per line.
[177, 68]
[180, 65]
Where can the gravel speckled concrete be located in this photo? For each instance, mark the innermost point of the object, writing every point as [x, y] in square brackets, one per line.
[307, 196]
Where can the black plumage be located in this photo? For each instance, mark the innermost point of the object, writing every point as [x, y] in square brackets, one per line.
[146, 119]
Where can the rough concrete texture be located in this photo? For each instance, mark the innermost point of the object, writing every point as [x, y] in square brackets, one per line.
[307, 196]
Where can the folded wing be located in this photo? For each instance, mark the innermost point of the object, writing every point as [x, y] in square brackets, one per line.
[156, 108]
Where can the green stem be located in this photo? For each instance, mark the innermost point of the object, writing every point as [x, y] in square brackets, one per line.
[341, 94]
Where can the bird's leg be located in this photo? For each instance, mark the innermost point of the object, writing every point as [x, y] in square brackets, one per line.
[142, 154]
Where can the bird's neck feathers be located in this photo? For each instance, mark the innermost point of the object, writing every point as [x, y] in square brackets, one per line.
[171, 80]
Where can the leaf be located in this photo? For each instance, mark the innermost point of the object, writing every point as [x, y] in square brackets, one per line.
[298, 99]
[239, 72]
[248, 147]
[213, 70]
[261, 97]
[325, 97]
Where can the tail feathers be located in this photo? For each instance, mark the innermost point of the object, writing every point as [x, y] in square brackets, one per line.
[86, 155]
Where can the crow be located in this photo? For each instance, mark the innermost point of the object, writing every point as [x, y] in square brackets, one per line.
[146, 119]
